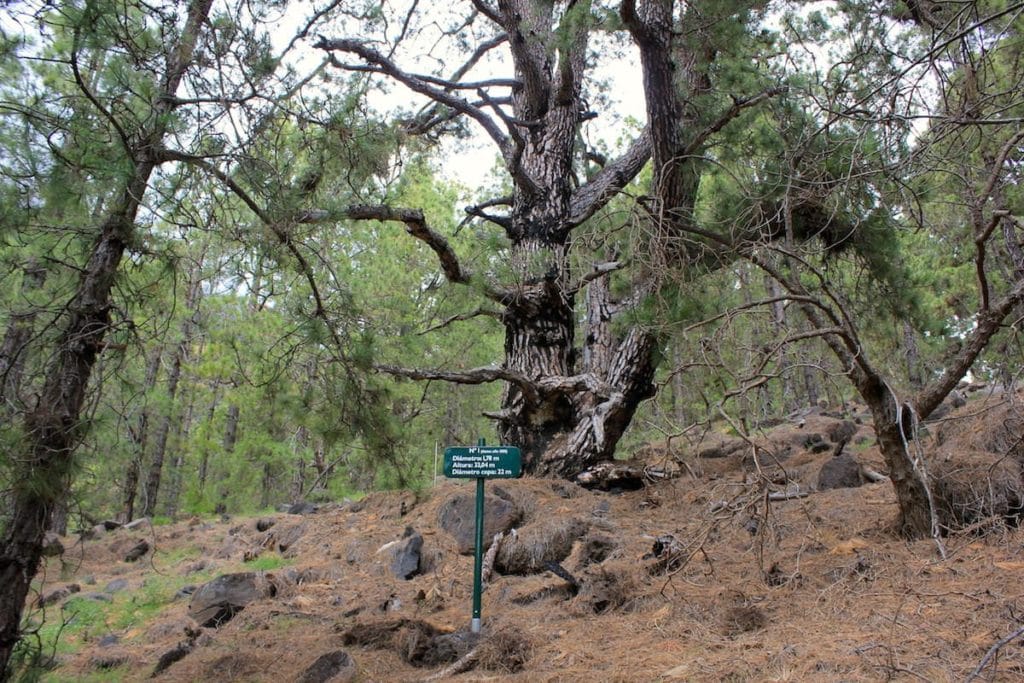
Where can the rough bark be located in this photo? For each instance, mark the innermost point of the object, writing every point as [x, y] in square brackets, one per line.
[564, 416]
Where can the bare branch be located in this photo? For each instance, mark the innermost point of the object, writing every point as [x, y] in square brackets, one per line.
[485, 312]
[484, 375]
[599, 270]
[738, 106]
[987, 324]
[415, 84]
[415, 225]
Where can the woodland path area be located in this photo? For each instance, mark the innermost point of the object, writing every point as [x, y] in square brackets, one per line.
[689, 578]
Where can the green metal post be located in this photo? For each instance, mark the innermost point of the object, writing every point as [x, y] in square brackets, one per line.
[478, 552]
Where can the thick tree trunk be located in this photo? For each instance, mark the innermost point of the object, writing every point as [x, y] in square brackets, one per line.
[53, 426]
[892, 424]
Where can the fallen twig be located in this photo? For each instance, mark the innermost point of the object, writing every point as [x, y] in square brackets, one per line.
[461, 665]
[787, 495]
[991, 653]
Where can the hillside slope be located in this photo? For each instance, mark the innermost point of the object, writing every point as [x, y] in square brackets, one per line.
[699, 577]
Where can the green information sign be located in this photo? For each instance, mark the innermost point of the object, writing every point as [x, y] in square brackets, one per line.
[489, 462]
[481, 462]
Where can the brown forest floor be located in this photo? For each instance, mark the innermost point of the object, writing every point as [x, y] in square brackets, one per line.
[808, 589]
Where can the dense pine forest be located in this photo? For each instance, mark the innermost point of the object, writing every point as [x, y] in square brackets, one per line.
[256, 253]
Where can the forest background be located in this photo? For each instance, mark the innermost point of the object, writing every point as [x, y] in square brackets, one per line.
[232, 278]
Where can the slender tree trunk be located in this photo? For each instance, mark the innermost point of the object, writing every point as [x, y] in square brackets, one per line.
[192, 299]
[13, 350]
[231, 428]
[181, 434]
[204, 460]
[299, 476]
[139, 435]
[156, 465]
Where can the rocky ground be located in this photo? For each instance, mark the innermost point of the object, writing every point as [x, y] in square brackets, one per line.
[768, 559]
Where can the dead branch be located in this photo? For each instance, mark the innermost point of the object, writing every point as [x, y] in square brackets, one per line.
[479, 312]
[416, 84]
[787, 495]
[872, 475]
[992, 652]
[463, 664]
[492, 553]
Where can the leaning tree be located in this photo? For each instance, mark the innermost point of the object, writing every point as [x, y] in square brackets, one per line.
[106, 96]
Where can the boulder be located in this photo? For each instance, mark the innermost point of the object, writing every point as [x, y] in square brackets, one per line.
[137, 551]
[336, 667]
[52, 547]
[57, 594]
[302, 508]
[405, 554]
[530, 550]
[840, 472]
[141, 521]
[216, 602]
[458, 517]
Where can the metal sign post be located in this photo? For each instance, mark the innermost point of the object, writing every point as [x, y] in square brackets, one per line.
[481, 462]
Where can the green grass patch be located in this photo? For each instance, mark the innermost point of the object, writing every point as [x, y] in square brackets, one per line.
[268, 562]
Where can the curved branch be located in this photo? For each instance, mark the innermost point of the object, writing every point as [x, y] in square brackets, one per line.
[484, 375]
[591, 197]
[415, 225]
[479, 312]
[739, 104]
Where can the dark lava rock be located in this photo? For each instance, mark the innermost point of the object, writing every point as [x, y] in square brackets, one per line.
[176, 653]
[842, 431]
[116, 585]
[336, 667]
[216, 602]
[302, 508]
[57, 594]
[405, 555]
[840, 472]
[458, 517]
[140, 549]
[108, 640]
